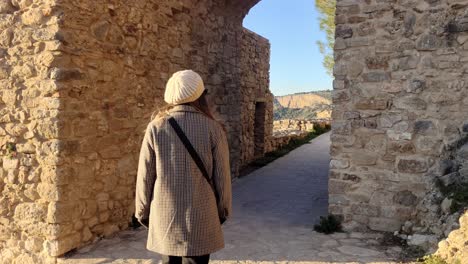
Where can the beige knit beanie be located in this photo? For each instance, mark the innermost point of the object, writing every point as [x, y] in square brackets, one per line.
[183, 87]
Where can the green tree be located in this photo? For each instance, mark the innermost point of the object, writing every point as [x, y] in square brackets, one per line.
[327, 10]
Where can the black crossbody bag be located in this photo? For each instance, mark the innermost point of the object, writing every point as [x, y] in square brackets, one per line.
[193, 153]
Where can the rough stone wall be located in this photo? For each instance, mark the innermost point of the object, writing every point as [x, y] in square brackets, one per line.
[255, 83]
[454, 248]
[279, 141]
[451, 196]
[29, 124]
[119, 56]
[400, 100]
[80, 81]
[294, 124]
[287, 129]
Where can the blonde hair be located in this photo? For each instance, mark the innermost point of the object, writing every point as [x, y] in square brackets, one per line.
[162, 112]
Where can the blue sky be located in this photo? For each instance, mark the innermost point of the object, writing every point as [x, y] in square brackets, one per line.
[293, 29]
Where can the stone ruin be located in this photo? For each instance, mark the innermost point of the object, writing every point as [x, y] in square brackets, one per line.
[400, 106]
[80, 79]
[286, 130]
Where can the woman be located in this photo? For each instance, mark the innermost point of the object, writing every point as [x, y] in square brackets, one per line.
[183, 190]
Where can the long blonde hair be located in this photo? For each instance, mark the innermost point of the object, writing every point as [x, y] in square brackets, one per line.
[201, 104]
[162, 112]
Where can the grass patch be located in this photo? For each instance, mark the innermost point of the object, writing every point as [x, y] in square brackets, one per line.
[460, 197]
[432, 259]
[329, 225]
[410, 253]
[11, 151]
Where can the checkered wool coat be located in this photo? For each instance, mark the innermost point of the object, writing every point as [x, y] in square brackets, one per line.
[172, 193]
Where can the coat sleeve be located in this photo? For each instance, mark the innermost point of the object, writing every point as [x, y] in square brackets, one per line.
[222, 174]
[146, 177]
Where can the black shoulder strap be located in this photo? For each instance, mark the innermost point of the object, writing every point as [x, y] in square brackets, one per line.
[191, 150]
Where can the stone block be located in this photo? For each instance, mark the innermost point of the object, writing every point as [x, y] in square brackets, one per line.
[338, 199]
[463, 152]
[32, 16]
[446, 205]
[428, 42]
[424, 127]
[27, 213]
[340, 44]
[382, 198]
[377, 62]
[397, 212]
[340, 96]
[55, 248]
[59, 74]
[34, 245]
[424, 241]
[343, 32]
[376, 77]
[358, 42]
[416, 86]
[363, 159]
[384, 224]
[5, 39]
[458, 25]
[365, 209]
[371, 104]
[339, 164]
[59, 212]
[401, 148]
[49, 192]
[86, 234]
[355, 69]
[405, 198]
[398, 135]
[6, 7]
[338, 187]
[10, 163]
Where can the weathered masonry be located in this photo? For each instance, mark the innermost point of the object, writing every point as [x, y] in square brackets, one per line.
[79, 82]
[400, 111]
[80, 78]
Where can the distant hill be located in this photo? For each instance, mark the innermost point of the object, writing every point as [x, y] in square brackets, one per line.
[309, 105]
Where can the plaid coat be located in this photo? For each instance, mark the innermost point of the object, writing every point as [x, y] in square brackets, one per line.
[172, 193]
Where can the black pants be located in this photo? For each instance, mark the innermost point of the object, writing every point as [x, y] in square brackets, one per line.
[185, 260]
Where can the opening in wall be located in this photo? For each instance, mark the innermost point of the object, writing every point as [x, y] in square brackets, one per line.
[259, 128]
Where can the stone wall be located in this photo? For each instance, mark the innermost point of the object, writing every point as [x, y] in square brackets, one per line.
[120, 56]
[278, 141]
[299, 125]
[255, 83]
[29, 124]
[82, 79]
[400, 100]
[288, 129]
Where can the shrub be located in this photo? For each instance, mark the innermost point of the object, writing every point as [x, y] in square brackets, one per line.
[329, 225]
[10, 150]
[433, 259]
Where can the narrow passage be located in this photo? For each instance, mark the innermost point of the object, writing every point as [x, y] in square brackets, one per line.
[275, 209]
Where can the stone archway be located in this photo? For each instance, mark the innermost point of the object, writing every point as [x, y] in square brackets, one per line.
[82, 77]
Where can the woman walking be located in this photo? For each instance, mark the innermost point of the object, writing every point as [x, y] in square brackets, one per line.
[183, 189]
